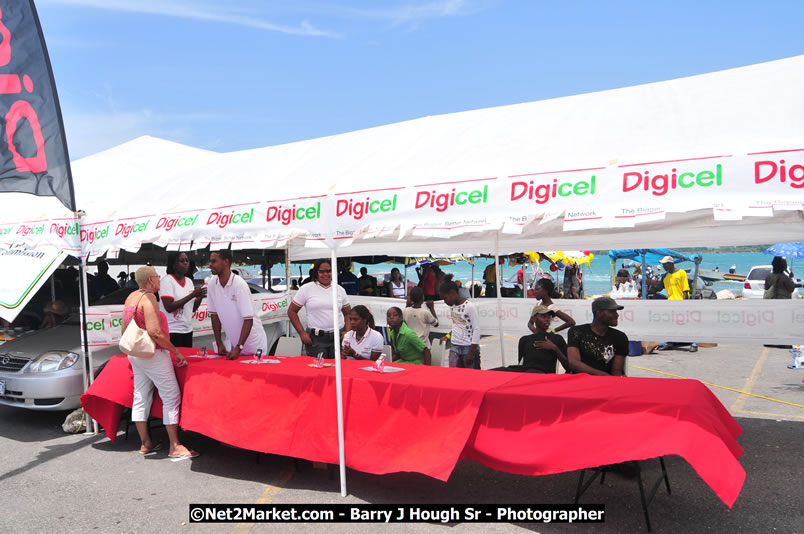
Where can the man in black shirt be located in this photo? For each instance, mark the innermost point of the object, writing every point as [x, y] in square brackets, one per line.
[597, 348]
[539, 351]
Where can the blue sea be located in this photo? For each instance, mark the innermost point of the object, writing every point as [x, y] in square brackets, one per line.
[597, 277]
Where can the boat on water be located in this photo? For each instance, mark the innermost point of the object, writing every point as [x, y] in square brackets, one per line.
[733, 277]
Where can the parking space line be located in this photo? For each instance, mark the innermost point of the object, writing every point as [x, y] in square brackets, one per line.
[267, 497]
[739, 404]
[740, 391]
[776, 415]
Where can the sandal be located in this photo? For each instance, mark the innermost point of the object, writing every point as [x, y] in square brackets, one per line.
[154, 447]
[188, 454]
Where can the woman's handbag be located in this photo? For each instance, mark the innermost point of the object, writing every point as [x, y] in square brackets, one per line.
[136, 341]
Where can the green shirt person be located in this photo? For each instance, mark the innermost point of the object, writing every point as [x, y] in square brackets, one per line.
[406, 344]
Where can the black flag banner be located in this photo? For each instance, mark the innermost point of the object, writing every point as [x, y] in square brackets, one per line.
[33, 148]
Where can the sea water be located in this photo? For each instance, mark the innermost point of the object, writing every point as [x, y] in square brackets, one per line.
[597, 276]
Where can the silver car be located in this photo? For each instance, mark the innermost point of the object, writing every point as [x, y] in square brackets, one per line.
[43, 370]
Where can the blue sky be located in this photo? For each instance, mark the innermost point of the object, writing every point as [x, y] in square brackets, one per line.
[237, 74]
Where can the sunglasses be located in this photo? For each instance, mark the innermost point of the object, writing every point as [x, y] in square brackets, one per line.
[324, 270]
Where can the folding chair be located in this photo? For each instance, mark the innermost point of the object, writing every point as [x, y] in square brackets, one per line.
[644, 500]
[389, 353]
[288, 346]
[437, 353]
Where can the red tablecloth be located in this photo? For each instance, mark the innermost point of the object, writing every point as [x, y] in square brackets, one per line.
[424, 419]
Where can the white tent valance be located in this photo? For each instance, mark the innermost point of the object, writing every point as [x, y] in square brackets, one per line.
[715, 159]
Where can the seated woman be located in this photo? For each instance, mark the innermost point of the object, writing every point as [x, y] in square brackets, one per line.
[361, 342]
[406, 344]
[544, 290]
[539, 351]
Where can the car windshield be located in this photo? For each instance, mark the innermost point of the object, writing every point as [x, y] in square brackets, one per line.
[759, 273]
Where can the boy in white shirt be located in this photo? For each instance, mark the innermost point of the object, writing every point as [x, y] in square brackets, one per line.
[465, 335]
[417, 318]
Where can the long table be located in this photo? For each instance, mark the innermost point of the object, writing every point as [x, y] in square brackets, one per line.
[425, 419]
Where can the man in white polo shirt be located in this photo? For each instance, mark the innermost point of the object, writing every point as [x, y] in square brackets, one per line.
[230, 306]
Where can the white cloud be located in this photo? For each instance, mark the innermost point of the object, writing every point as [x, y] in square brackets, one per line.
[408, 12]
[196, 11]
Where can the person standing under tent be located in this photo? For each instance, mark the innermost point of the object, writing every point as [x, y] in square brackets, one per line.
[465, 334]
[598, 348]
[232, 310]
[572, 282]
[396, 286]
[417, 318]
[347, 279]
[490, 280]
[157, 371]
[544, 291]
[178, 299]
[368, 284]
[316, 299]
[427, 282]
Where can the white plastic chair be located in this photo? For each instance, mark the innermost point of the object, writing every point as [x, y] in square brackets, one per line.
[289, 346]
[437, 354]
[389, 353]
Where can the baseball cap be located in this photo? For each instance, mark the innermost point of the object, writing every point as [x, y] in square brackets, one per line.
[605, 303]
[541, 310]
[668, 259]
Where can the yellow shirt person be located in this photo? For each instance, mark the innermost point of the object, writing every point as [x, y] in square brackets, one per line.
[676, 283]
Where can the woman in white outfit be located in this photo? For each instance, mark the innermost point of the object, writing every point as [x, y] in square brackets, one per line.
[157, 371]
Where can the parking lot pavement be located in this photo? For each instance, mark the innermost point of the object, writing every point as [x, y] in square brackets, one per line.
[51, 481]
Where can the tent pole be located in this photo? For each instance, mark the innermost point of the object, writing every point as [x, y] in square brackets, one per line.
[499, 296]
[336, 311]
[613, 267]
[644, 278]
[287, 283]
[87, 355]
[694, 289]
[472, 285]
[52, 287]
[407, 294]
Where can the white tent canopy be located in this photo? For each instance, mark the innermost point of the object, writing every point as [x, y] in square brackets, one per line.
[695, 161]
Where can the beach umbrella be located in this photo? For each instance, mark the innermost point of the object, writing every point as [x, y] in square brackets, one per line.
[788, 250]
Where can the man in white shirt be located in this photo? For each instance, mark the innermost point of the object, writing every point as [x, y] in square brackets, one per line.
[230, 306]
[465, 335]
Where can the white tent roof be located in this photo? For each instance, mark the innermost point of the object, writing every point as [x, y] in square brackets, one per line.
[708, 135]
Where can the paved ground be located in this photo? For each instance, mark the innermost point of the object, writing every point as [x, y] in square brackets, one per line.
[55, 482]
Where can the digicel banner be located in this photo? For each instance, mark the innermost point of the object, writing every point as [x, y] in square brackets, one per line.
[755, 183]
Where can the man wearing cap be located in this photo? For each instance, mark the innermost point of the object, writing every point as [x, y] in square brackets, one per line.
[597, 348]
[677, 285]
[539, 352]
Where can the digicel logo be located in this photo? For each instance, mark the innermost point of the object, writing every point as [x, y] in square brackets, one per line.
[101, 325]
[62, 230]
[288, 215]
[126, 229]
[274, 306]
[542, 193]
[222, 220]
[660, 184]
[7, 230]
[442, 202]
[771, 169]
[92, 235]
[25, 230]
[358, 209]
[201, 314]
[168, 223]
